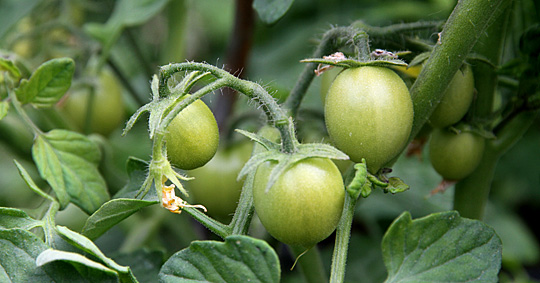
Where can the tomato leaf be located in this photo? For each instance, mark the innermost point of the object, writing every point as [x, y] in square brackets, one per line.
[16, 218]
[441, 247]
[271, 11]
[51, 255]
[68, 161]
[110, 214]
[48, 83]
[31, 184]
[86, 245]
[238, 259]
[18, 252]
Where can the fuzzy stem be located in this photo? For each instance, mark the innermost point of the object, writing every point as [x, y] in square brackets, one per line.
[471, 194]
[343, 234]
[331, 41]
[466, 24]
[213, 225]
[254, 91]
[244, 211]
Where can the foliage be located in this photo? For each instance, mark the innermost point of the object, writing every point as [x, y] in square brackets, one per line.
[82, 204]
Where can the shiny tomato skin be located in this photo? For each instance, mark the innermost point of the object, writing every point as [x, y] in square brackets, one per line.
[455, 156]
[192, 137]
[304, 206]
[369, 114]
[456, 99]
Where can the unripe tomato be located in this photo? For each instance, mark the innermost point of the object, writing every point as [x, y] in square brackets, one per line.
[456, 100]
[107, 108]
[192, 137]
[304, 206]
[215, 185]
[455, 156]
[369, 114]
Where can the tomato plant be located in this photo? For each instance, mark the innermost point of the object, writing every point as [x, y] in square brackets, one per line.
[99, 108]
[303, 207]
[368, 114]
[455, 156]
[380, 61]
[192, 125]
[456, 99]
[215, 185]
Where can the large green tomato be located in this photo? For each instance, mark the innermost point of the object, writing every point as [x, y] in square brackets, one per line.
[304, 206]
[369, 114]
[455, 156]
[215, 185]
[456, 100]
[192, 137]
[107, 106]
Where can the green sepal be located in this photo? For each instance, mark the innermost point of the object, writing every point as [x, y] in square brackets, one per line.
[377, 181]
[478, 130]
[357, 184]
[395, 185]
[352, 63]
[285, 160]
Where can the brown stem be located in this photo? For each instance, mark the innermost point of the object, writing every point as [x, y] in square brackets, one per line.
[237, 56]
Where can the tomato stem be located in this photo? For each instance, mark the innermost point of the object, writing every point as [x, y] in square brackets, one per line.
[343, 234]
[466, 24]
[331, 41]
[257, 93]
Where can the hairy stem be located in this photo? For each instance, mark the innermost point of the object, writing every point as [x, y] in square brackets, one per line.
[331, 41]
[471, 194]
[343, 234]
[254, 91]
[245, 210]
[466, 24]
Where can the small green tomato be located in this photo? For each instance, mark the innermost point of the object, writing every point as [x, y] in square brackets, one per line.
[304, 206]
[455, 156]
[456, 100]
[192, 137]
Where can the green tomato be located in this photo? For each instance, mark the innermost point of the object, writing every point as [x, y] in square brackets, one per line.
[192, 137]
[107, 106]
[304, 206]
[369, 114]
[456, 100]
[215, 185]
[455, 156]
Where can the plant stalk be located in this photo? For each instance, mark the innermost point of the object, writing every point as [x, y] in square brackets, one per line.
[467, 23]
[343, 234]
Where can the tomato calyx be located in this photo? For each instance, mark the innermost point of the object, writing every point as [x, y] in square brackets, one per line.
[363, 182]
[285, 160]
[379, 58]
